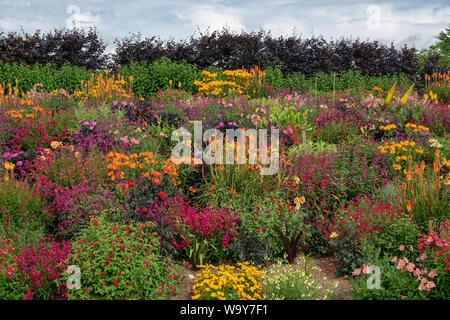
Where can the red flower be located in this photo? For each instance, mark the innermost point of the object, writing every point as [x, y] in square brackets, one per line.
[162, 195]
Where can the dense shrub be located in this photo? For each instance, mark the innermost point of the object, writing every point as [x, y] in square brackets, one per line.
[325, 82]
[228, 50]
[149, 78]
[78, 47]
[204, 234]
[36, 271]
[121, 262]
[51, 76]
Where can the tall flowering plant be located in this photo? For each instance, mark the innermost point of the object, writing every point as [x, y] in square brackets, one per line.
[203, 233]
[40, 268]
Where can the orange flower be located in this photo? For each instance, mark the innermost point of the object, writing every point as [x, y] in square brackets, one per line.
[300, 200]
[191, 189]
[408, 207]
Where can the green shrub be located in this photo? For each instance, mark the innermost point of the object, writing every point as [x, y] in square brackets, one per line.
[121, 262]
[346, 80]
[50, 76]
[148, 78]
[394, 284]
[270, 217]
[19, 204]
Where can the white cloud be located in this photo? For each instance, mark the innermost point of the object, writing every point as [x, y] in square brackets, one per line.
[214, 17]
[83, 20]
[284, 25]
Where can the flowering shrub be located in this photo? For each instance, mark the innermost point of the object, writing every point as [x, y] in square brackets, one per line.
[6, 257]
[121, 262]
[227, 282]
[105, 88]
[65, 167]
[278, 223]
[425, 194]
[412, 274]
[92, 136]
[234, 82]
[146, 163]
[350, 228]
[72, 207]
[435, 255]
[38, 270]
[20, 203]
[327, 179]
[203, 233]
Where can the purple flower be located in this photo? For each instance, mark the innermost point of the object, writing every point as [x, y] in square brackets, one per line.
[19, 163]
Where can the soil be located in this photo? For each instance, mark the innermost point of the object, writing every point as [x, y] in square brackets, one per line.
[186, 287]
[326, 275]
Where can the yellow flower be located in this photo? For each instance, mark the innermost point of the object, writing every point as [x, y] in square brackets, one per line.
[9, 165]
[333, 235]
[55, 144]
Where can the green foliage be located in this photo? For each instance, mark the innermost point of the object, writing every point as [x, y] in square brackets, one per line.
[237, 184]
[345, 80]
[268, 216]
[199, 251]
[103, 112]
[395, 284]
[285, 117]
[50, 76]
[438, 52]
[19, 204]
[249, 247]
[313, 147]
[121, 262]
[337, 132]
[150, 78]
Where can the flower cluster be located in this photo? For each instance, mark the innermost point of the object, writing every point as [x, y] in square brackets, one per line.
[143, 163]
[103, 89]
[41, 267]
[227, 282]
[188, 222]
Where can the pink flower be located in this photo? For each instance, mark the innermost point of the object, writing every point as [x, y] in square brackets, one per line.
[357, 272]
[366, 269]
[410, 267]
[400, 265]
[432, 274]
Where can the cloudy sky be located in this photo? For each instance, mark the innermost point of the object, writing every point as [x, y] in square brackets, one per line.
[414, 22]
